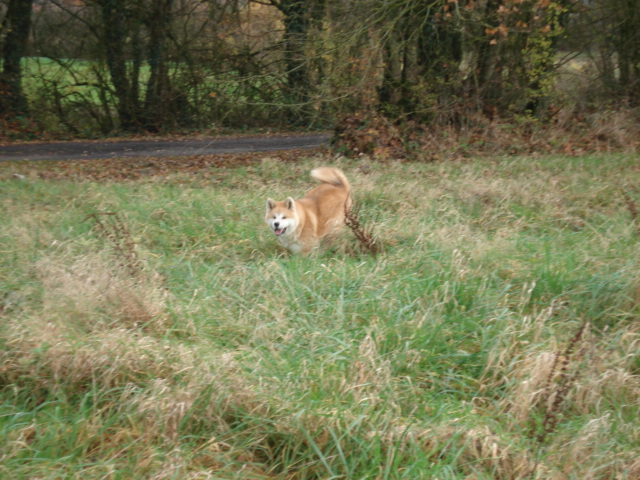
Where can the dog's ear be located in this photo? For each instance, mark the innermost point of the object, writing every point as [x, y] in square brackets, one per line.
[270, 204]
[290, 203]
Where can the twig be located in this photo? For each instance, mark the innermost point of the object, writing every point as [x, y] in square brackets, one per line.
[364, 235]
[112, 229]
[560, 368]
[563, 386]
[633, 210]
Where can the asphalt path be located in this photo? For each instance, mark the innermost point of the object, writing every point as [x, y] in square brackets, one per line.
[159, 148]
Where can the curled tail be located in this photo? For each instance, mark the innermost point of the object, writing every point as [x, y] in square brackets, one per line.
[331, 175]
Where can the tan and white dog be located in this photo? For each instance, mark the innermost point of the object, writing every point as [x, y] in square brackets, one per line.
[301, 224]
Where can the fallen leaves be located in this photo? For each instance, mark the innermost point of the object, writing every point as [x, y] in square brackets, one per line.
[136, 169]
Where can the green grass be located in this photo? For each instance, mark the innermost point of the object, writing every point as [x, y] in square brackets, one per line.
[180, 341]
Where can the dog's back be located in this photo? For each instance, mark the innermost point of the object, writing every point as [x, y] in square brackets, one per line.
[328, 201]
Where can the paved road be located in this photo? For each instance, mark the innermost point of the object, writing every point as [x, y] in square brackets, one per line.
[159, 148]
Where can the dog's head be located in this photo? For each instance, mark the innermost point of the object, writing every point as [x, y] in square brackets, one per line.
[281, 216]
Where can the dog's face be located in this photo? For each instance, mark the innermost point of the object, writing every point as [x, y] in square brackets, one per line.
[281, 216]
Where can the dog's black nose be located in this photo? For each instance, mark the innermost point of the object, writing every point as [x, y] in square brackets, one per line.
[276, 224]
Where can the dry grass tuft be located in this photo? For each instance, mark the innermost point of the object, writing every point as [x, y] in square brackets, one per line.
[93, 295]
[585, 373]
[111, 228]
[479, 449]
[48, 358]
[544, 380]
[489, 453]
[96, 325]
[365, 235]
[369, 378]
[633, 211]
[212, 390]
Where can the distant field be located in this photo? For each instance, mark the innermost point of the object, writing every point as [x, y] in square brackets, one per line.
[155, 329]
[82, 76]
[78, 94]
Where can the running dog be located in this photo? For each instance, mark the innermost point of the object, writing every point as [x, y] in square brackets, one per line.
[301, 224]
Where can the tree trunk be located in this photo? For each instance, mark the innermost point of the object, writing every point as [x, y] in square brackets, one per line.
[159, 101]
[18, 23]
[126, 87]
[627, 44]
[295, 32]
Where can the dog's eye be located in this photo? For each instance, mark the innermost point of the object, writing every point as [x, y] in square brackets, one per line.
[284, 217]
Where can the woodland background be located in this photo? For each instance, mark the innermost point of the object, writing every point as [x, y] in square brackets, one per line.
[390, 76]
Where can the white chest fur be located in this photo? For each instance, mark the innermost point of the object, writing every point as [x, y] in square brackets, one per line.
[291, 243]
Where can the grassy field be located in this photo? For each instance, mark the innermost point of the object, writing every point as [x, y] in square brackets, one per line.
[155, 329]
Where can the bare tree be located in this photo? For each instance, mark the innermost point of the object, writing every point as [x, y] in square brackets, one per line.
[160, 100]
[124, 58]
[298, 17]
[623, 44]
